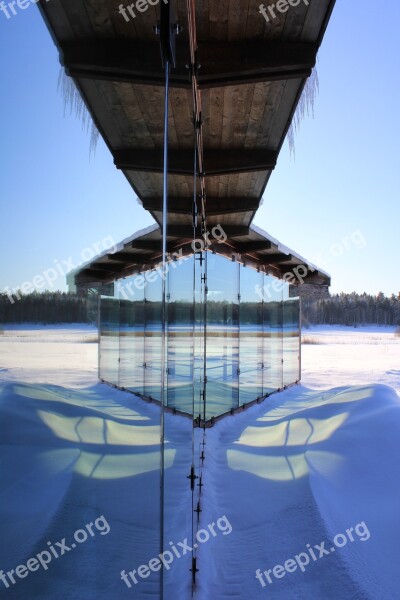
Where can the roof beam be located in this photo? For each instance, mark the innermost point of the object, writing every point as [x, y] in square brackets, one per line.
[254, 247]
[110, 268]
[147, 245]
[220, 63]
[214, 206]
[233, 63]
[216, 161]
[124, 257]
[276, 259]
[91, 276]
[186, 231]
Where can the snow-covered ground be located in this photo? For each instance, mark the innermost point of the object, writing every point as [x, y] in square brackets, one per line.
[300, 468]
[333, 356]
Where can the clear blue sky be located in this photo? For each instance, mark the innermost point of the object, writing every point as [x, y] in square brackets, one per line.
[337, 203]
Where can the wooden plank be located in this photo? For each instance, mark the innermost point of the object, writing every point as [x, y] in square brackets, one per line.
[237, 13]
[273, 29]
[214, 117]
[259, 98]
[316, 20]
[103, 101]
[218, 19]
[273, 99]
[243, 103]
[284, 111]
[202, 19]
[294, 23]
[57, 20]
[79, 20]
[260, 183]
[255, 27]
[100, 17]
[182, 114]
[137, 128]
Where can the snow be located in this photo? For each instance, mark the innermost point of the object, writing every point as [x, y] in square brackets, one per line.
[350, 356]
[298, 469]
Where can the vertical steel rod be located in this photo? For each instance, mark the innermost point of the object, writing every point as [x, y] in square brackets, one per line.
[164, 308]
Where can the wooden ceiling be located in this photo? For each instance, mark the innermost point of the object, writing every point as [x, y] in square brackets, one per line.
[250, 74]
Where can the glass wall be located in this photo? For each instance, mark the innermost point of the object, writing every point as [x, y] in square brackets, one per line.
[251, 340]
[109, 339]
[152, 334]
[291, 338]
[199, 341]
[222, 335]
[180, 335]
[272, 334]
[232, 335]
[131, 343]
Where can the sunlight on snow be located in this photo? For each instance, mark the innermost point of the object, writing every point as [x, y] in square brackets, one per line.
[94, 430]
[296, 432]
[117, 466]
[274, 468]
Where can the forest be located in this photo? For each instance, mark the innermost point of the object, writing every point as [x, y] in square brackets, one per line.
[352, 309]
[340, 309]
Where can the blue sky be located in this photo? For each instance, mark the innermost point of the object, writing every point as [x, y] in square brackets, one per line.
[336, 203]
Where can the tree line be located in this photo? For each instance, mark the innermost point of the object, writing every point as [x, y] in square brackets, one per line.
[45, 307]
[352, 309]
[340, 309]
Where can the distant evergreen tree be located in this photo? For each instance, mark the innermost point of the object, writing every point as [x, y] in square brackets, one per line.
[45, 307]
[352, 310]
[340, 309]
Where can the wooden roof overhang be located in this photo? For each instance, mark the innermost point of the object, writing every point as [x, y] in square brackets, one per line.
[250, 246]
[250, 74]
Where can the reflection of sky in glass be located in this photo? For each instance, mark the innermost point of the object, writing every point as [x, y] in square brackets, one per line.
[222, 279]
[180, 281]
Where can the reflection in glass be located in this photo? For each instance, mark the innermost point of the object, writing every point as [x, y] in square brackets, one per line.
[109, 339]
[131, 368]
[273, 372]
[232, 335]
[222, 338]
[153, 334]
[291, 338]
[251, 340]
[180, 336]
[199, 341]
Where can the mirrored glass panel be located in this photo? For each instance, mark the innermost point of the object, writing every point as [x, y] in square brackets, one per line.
[153, 333]
[199, 341]
[291, 338]
[222, 338]
[272, 327]
[180, 335]
[251, 340]
[109, 339]
[131, 345]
